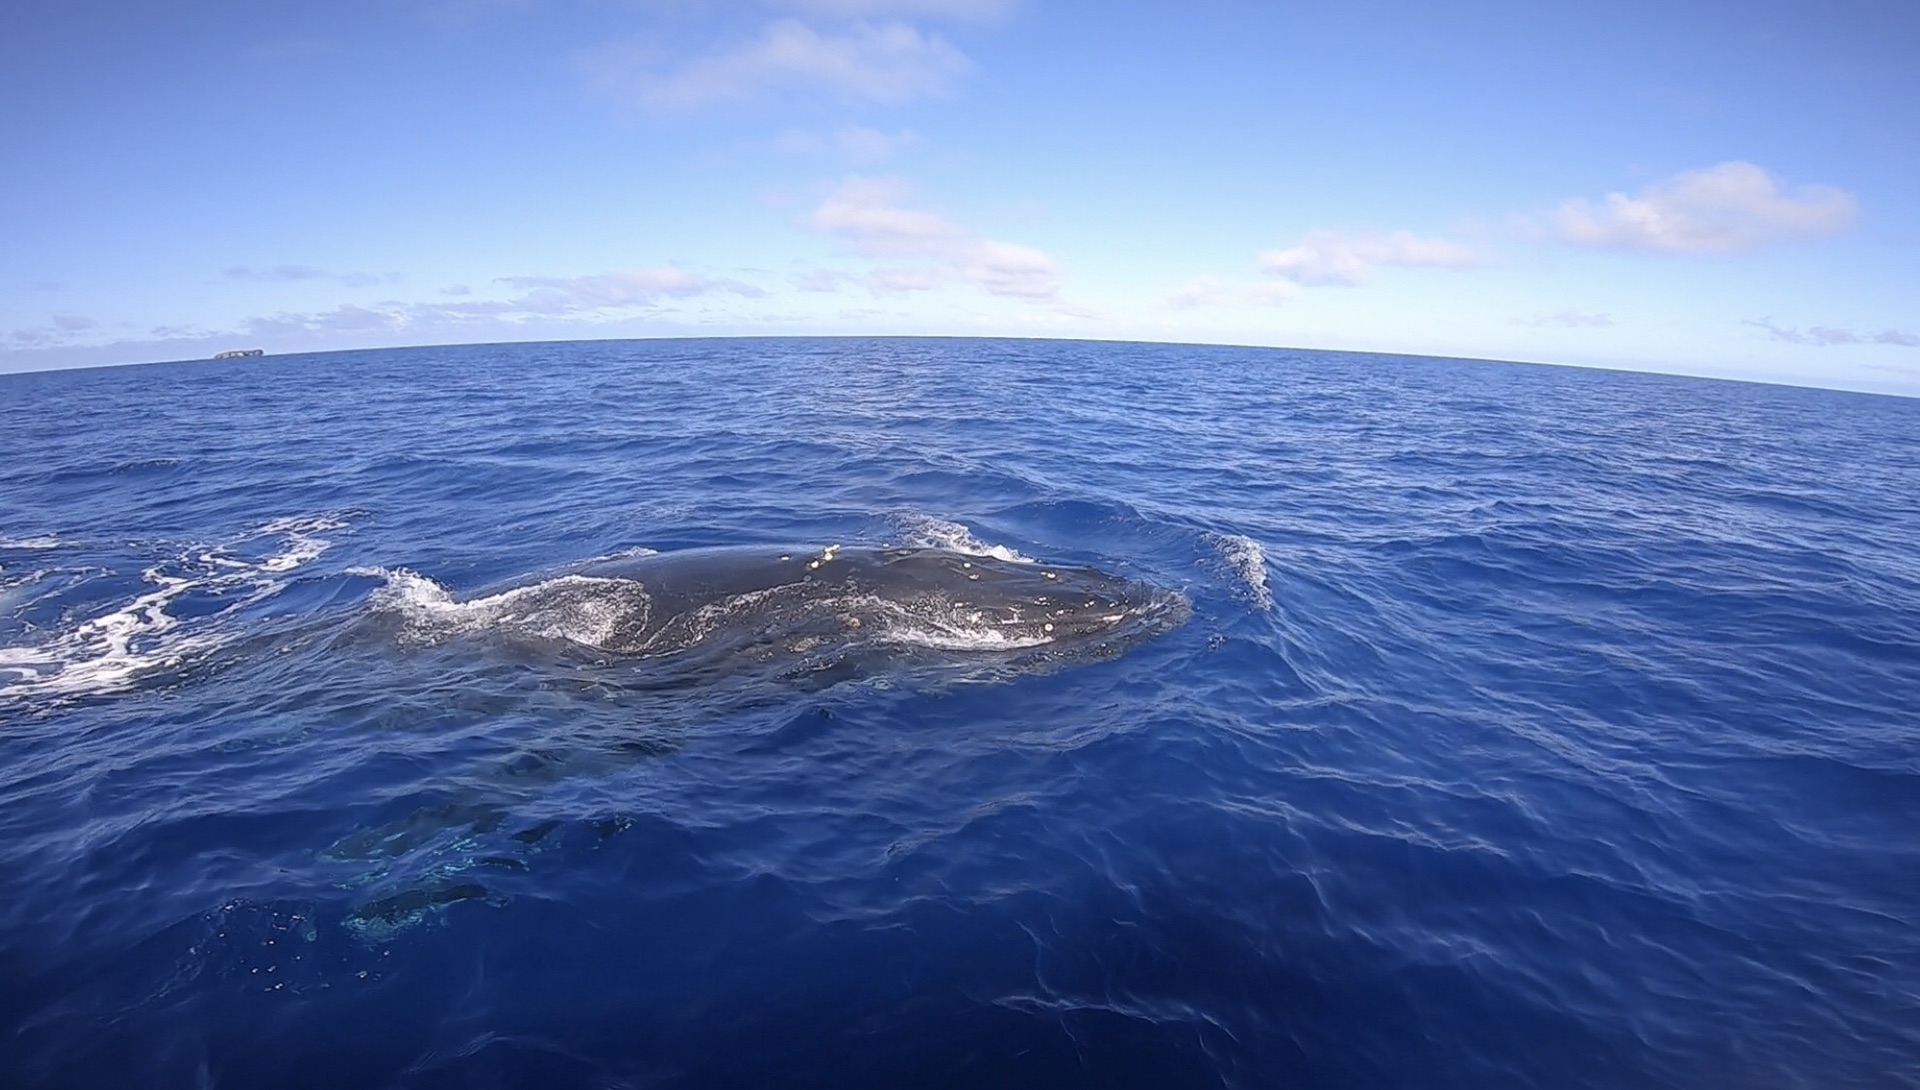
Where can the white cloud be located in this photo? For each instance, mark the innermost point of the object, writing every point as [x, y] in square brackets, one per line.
[1330, 257]
[616, 291]
[1827, 335]
[599, 297]
[1008, 268]
[62, 329]
[1216, 291]
[864, 145]
[899, 279]
[1726, 208]
[281, 274]
[1572, 319]
[867, 217]
[885, 63]
[863, 214]
[818, 280]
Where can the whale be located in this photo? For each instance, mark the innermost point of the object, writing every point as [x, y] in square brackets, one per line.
[681, 640]
[807, 609]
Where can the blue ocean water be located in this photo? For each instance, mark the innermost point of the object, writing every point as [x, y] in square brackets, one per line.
[1527, 727]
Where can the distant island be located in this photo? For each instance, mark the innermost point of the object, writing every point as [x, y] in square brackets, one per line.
[240, 353]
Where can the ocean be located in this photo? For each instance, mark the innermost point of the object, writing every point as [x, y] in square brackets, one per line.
[1469, 724]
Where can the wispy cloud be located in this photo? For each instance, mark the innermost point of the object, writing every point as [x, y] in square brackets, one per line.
[283, 274]
[618, 290]
[1827, 335]
[59, 329]
[1572, 319]
[886, 63]
[596, 298]
[1333, 257]
[1726, 208]
[819, 280]
[867, 217]
[1215, 291]
[858, 143]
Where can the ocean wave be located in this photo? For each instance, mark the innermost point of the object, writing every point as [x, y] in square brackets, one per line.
[1572, 730]
[32, 544]
[585, 610]
[119, 643]
[928, 532]
[1248, 561]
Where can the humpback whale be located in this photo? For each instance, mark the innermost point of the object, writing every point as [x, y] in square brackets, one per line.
[808, 609]
[682, 638]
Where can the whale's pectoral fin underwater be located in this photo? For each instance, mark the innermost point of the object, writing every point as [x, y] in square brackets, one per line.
[832, 609]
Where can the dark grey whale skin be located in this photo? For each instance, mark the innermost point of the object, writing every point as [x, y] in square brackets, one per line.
[801, 595]
[702, 633]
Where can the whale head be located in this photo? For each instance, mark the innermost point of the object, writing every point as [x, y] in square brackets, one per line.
[955, 600]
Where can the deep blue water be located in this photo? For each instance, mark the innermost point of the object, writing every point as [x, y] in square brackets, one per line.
[1531, 727]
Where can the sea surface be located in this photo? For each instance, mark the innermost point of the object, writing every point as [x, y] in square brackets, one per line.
[1510, 726]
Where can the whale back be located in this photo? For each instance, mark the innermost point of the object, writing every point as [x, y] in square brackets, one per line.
[796, 600]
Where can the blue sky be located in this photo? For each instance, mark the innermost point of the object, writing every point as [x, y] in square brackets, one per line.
[1707, 188]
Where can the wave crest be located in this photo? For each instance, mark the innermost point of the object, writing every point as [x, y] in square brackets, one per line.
[121, 642]
[927, 532]
[588, 610]
[1246, 559]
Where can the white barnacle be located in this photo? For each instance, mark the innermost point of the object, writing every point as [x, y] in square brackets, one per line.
[1053, 575]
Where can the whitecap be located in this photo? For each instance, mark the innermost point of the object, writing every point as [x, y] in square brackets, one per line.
[108, 651]
[927, 532]
[120, 643]
[587, 610]
[1247, 560]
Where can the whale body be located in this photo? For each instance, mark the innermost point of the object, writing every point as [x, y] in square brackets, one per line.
[682, 639]
[813, 608]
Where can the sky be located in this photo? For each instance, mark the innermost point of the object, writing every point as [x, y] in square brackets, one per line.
[1708, 188]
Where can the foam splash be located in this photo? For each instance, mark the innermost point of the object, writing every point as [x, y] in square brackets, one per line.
[586, 610]
[31, 544]
[301, 541]
[116, 646]
[1248, 561]
[927, 532]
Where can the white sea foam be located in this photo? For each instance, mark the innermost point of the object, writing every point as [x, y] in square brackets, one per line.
[1248, 561]
[35, 544]
[927, 532]
[582, 609]
[120, 643]
[302, 541]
